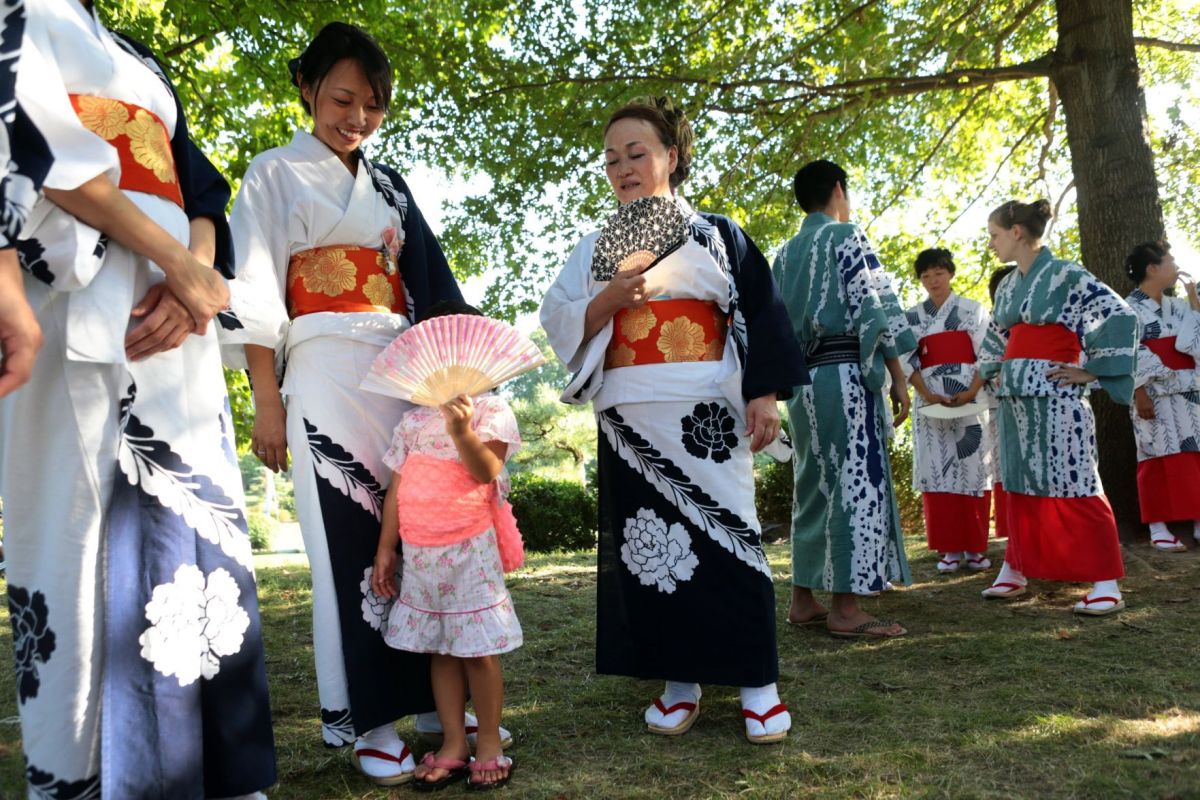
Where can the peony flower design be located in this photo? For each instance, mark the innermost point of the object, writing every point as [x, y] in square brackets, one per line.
[103, 116]
[150, 146]
[326, 270]
[655, 554]
[32, 638]
[637, 323]
[620, 356]
[375, 607]
[379, 291]
[681, 340]
[710, 432]
[193, 623]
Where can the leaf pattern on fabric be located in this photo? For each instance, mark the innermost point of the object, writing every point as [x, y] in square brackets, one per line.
[30, 255]
[229, 321]
[709, 432]
[705, 233]
[33, 640]
[44, 786]
[387, 190]
[337, 465]
[337, 728]
[161, 473]
[721, 525]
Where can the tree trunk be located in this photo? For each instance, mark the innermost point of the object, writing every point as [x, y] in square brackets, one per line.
[1095, 70]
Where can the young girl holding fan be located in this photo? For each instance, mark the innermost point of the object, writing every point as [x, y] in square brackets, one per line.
[460, 538]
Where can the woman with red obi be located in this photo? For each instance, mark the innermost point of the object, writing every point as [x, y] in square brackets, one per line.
[334, 260]
[1049, 314]
[1166, 403]
[952, 454]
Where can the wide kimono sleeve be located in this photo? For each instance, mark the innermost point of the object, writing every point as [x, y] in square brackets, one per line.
[773, 360]
[904, 340]
[866, 315]
[423, 266]
[563, 316]
[1110, 336]
[257, 295]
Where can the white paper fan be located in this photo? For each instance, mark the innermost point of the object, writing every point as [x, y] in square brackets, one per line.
[640, 234]
[938, 411]
[436, 360]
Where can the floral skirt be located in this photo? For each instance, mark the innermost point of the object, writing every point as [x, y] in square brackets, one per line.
[453, 601]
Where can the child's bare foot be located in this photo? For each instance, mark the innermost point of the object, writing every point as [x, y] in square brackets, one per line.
[490, 772]
[437, 770]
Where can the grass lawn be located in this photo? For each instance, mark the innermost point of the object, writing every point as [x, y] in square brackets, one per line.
[982, 699]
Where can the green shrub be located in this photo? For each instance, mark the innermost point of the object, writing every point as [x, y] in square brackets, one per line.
[553, 514]
[773, 491]
[261, 528]
[900, 455]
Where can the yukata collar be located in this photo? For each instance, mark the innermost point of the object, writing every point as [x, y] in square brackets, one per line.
[817, 219]
[684, 205]
[315, 149]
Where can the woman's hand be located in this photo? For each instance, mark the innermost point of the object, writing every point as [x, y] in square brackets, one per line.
[167, 324]
[626, 290]
[762, 421]
[20, 334]
[458, 413]
[383, 578]
[268, 438]
[1143, 403]
[1066, 373]
[200, 288]
[935, 399]
[900, 403]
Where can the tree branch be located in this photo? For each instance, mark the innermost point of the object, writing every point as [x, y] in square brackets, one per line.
[172, 52]
[1181, 47]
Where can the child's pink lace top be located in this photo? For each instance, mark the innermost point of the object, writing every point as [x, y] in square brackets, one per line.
[438, 502]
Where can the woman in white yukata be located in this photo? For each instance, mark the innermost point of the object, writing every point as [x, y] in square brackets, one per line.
[140, 670]
[952, 458]
[683, 365]
[1166, 402]
[333, 261]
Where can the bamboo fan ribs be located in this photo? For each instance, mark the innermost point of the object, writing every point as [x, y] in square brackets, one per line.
[436, 360]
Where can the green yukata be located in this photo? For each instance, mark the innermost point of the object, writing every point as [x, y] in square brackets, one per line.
[846, 534]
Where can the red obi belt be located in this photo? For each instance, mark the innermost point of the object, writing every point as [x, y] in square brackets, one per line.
[1171, 358]
[1050, 342]
[142, 142]
[667, 332]
[344, 279]
[947, 347]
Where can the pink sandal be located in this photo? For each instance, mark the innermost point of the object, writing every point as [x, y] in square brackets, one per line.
[455, 769]
[497, 763]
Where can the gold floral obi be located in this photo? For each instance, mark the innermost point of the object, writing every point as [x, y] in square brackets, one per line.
[141, 140]
[667, 332]
[344, 279]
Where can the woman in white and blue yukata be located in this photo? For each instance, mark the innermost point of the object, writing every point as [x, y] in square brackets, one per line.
[140, 668]
[683, 364]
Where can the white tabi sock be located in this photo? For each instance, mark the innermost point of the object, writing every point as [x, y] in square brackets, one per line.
[385, 739]
[761, 700]
[1105, 589]
[1010, 575]
[1158, 530]
[675, 692]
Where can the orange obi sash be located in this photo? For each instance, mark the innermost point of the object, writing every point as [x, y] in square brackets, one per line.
[1050, 342]
[947, 347]
[142, 142]
[1171, 358]
[439, 503]
[344, 279]
[667, 331]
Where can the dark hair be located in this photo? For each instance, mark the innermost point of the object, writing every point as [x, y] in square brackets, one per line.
[669, 122]
[444, 308]
[934, 257]
[814, 182]
[336, 41]
[1142, 256]
[997, 276]
[1030, 216]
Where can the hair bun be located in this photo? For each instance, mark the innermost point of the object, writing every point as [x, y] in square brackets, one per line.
[294, 68]
[1042, 209]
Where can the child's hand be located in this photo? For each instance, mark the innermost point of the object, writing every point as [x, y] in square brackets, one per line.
[383, 579]
[458, 413]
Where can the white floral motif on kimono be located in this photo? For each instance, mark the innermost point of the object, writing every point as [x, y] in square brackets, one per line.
[655, 554]
[193, 624]
[375, 607]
